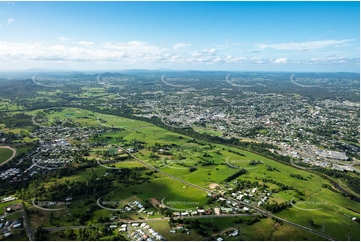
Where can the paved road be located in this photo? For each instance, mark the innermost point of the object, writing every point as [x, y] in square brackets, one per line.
[12, 156]
[147, 220]
[50, 229]
[37, 124]
[27, 226]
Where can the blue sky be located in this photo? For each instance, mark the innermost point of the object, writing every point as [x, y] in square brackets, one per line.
[245, 36]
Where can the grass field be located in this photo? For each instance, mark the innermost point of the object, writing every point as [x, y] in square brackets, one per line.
[5, 154]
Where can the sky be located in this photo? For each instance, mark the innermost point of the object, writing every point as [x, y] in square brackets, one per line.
[236, 36]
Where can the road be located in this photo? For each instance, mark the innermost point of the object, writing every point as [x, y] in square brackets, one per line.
[266, 213]
[12, 156]
[27, 226]
[37, 124]
[51, 229]
[147, 220]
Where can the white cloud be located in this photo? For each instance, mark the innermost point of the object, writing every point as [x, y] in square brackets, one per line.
[64, 39]
[280, 60]
[141, 53]
[85, 43]
[10, 21]
[208, 51]
[180, 45]
[304, 45]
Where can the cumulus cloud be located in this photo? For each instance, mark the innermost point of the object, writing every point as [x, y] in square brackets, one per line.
[304, 45]
[10, 21]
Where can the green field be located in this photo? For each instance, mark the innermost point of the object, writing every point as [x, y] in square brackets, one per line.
[330, 211]
[5, 154]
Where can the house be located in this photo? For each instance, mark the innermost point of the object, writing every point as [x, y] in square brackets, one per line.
[17, 225]
[226, 210]
[234, 233]
[135, 224]
[113, 226]
[7, 234]
[180, 226]
[159, 237]
[184, 214]
[220, 239]
[172, 231]
[122, 229]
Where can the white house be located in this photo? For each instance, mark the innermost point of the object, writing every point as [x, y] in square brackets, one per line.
[235, 233]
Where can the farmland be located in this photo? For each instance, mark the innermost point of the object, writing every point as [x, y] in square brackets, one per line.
[317, 202]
